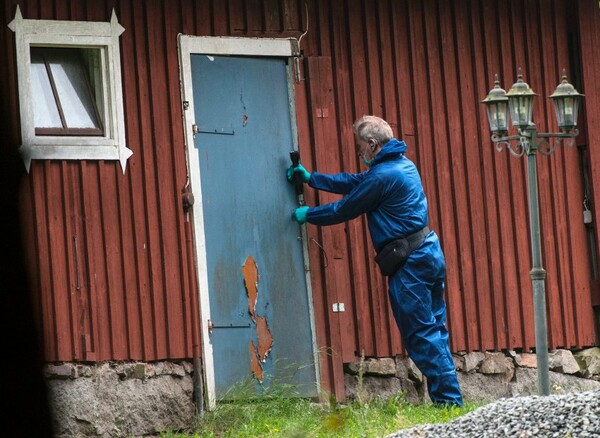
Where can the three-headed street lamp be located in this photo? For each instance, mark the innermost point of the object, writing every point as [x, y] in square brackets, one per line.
[518, 105]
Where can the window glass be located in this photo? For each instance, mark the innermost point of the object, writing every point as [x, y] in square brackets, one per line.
[62, 75]
[93, 61]
[45, 111]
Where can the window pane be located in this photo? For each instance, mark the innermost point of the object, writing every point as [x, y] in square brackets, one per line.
[93, 61]
[63, 99]
[45, 111]
[73, 88]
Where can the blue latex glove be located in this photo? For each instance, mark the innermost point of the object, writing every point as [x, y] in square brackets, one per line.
[304, 174]
[299, 214]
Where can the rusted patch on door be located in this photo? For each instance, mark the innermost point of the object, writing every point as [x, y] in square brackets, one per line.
[265, 340]
[255, 365]
[251, 282]
[260, 352]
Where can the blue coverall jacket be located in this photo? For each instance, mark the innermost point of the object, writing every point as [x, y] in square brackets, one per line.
[390, 193]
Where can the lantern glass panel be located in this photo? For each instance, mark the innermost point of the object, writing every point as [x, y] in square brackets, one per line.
[497, 117]
[566, 111]
[520, 110]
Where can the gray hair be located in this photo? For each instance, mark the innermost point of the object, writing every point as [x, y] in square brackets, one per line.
[373, 127]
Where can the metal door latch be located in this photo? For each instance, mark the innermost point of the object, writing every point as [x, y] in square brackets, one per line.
[212, 326]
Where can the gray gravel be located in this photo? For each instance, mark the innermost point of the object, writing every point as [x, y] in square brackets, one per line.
[575, 415]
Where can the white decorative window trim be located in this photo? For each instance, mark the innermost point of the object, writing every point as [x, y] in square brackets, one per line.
[84, 34]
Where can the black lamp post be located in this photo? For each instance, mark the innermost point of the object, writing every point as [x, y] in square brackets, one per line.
[520, 108]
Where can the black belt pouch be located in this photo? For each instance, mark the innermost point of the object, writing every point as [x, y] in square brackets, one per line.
[393, 256]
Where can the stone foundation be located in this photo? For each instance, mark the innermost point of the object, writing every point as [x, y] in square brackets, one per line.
[114, 400]
[483, 376]
[120, 399]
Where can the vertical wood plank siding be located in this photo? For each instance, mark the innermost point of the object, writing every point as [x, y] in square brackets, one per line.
[111, 256]
[589, 35]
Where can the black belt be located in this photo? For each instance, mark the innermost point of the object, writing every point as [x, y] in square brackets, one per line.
[415, 239]
[395, 253]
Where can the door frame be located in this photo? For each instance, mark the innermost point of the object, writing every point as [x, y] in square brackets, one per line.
[188, 45]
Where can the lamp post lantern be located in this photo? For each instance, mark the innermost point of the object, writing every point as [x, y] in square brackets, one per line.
[496, 106]
[528, 142]
[520, 103]
[566, 104]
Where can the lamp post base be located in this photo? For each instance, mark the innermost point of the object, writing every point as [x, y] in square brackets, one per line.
[541, 340]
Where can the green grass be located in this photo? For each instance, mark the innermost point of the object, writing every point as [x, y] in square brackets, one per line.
[278, 415]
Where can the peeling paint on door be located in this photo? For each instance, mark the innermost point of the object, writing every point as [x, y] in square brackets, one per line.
[265, 340]
[255, 365]
[250, 271]
[260, 352]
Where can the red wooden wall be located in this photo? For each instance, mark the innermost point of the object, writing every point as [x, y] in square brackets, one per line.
[111, 255]
[589, 34]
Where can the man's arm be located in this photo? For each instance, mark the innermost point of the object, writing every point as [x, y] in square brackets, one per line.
[340, 183]
[364, 197]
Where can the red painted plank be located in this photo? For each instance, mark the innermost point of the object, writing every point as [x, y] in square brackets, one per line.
[557, 165]
[322, 116]
[371, 294]
[151, 153]
[373, 52]
[44, 277]
[175, 172]
[468, 79]
[237, 17]
[512, 199]
[133, 73]
[72, 262]
[292, 16]
[340, 255]
[272, 15]
[166, 193]
[487, 63]
[255, 15]
[405, 129]
[358, 254]
[461, 263]
[56, 259]
[588, 27]
[89, 307]
[319, 288]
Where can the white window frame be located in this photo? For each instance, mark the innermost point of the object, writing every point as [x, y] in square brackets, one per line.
[84, 34]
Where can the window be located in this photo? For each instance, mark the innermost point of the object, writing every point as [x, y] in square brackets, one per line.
[69, 77]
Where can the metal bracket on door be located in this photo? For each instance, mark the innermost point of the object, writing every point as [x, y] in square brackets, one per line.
[222, 131]
[212, 326]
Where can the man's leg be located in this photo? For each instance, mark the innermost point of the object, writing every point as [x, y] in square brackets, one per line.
[421, 315]
[446, 384]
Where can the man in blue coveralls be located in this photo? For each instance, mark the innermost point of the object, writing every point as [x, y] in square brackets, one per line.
[391, 195]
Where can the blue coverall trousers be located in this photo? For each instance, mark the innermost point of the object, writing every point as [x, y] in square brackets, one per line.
[416, 294]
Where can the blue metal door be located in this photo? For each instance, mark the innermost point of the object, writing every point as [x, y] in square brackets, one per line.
[260, 327]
